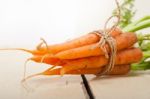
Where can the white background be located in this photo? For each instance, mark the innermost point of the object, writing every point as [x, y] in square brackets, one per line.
[24, 22]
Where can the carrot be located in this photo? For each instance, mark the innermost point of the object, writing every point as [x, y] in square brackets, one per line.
[123, 41]
[87, 39]
[51, 60]
[117, 70]
[127, 56]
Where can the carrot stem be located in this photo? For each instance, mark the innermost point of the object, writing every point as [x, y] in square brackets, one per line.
[142, 25]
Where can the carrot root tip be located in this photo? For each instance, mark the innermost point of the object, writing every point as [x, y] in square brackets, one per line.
[31, 76]
[21, 49]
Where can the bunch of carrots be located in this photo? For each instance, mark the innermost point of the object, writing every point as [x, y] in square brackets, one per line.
[82, 55]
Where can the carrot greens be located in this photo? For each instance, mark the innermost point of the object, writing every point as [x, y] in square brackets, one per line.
[128, 25]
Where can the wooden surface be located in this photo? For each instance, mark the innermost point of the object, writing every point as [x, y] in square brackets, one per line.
[135, 85]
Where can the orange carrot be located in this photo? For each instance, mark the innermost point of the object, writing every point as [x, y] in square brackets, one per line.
[123, 41]
[78, 42]
[87, 39]
[51, 60]
[127, 56]
[117, 70]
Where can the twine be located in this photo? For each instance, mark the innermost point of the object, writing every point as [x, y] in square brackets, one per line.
[107, 38]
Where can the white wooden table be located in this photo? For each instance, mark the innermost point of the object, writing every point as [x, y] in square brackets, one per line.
[132, 86]
[135, 85]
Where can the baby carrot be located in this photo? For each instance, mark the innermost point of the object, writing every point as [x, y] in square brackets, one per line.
[123, 41]
[87, 39]
[117, 70]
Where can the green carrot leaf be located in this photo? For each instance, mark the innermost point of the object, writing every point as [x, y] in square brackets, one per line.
[127, 13]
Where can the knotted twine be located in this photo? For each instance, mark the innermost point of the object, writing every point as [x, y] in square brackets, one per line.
[107, 38]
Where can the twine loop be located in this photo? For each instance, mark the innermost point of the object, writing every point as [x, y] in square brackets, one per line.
[107, 38]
